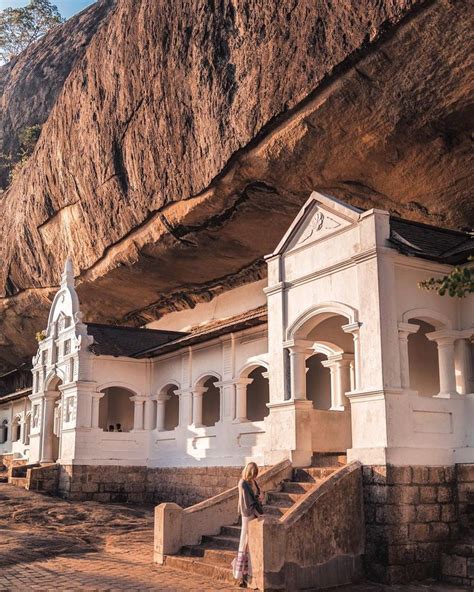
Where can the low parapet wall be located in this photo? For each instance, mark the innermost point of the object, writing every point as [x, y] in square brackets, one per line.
[319, 543]
[133, 484]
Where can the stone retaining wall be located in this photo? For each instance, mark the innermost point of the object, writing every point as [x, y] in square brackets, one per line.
[184, 486]
[411, 516]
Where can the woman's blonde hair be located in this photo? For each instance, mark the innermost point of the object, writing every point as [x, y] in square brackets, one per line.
[250, 471]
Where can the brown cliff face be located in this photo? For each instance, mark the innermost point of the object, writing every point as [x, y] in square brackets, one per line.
[31, 83]
[188, 135]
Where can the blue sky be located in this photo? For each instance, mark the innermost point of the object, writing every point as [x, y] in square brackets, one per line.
[66, 7]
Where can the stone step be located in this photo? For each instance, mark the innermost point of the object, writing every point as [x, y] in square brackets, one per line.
[222, 541]
[282, 498]
[233, 531]
[277, 511]
[18, 481]
[312, 474]
[197, 565]
[295, 487]
[210, 554]
[329, 459]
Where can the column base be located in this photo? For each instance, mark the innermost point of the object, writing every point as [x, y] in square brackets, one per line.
[450, 395]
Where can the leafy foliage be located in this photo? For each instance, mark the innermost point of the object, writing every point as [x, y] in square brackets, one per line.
[27, 138]
[20, 27]
[11, 165]
[459, 282]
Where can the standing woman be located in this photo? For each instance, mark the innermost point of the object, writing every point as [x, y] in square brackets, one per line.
[250, 507]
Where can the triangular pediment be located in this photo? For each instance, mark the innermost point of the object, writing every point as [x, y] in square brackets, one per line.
[320, 217]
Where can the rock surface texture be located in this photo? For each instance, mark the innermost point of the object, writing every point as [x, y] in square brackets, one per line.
[187, 135]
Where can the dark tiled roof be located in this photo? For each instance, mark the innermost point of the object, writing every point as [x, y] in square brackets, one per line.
[430, 242]
[111, 340]
[199, 334]
[15, 383]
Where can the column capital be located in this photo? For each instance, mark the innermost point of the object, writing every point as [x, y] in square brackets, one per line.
[341, 359]
[138, 398]
[199, 390]
[97, 395]
[405, 329]
[445, 336]
[298, 345]
[242, 381]
[351, 328]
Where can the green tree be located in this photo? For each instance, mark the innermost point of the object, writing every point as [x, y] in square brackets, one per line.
[459, 282]
[20, 27]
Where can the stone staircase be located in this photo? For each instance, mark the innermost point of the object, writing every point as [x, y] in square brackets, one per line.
[19, 475]
[214, 555]
[457, 563]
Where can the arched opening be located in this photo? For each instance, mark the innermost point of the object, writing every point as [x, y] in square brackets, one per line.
[171, 420]
[52, 421]
[258, 394]
[323, 366]
[4, 431]
[423, 360]
[211, 402]
[116, 410]
[16, 429]
[318, 382]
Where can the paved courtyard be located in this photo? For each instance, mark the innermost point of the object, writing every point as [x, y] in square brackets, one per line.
[51, 544]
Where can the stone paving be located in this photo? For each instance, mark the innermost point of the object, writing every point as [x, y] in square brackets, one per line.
[44, 547]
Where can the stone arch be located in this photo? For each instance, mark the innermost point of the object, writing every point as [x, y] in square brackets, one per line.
[116, 383]
[54, 379]
[252, 391]
[206, 387]
[248, 367]
[428, 315]
[326, 348]
[116, 407]
[316, 314]
[199, 382]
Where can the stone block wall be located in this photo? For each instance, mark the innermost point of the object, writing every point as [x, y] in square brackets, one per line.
[43, 479]
[411, 516]
[184, 486]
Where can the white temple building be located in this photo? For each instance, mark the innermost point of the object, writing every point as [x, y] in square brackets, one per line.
[338, 350]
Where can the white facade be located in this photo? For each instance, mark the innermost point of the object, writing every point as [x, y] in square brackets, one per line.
[355, 356]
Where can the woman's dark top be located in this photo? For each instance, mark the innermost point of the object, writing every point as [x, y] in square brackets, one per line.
[249, 504]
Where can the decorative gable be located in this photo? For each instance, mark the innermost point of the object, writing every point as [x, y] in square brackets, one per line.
[320, 217]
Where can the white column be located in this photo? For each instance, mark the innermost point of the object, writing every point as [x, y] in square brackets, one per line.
[137, 412]
[404, 331]
[241, 399]
[298, 350]
[185, 408]
[49, 400]
[462, 363]
[96, 397]
[447, 377]
[340, 368]
[198, 393]
[22, 424]
[160, 412]
[353, 328]
[148, 420]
